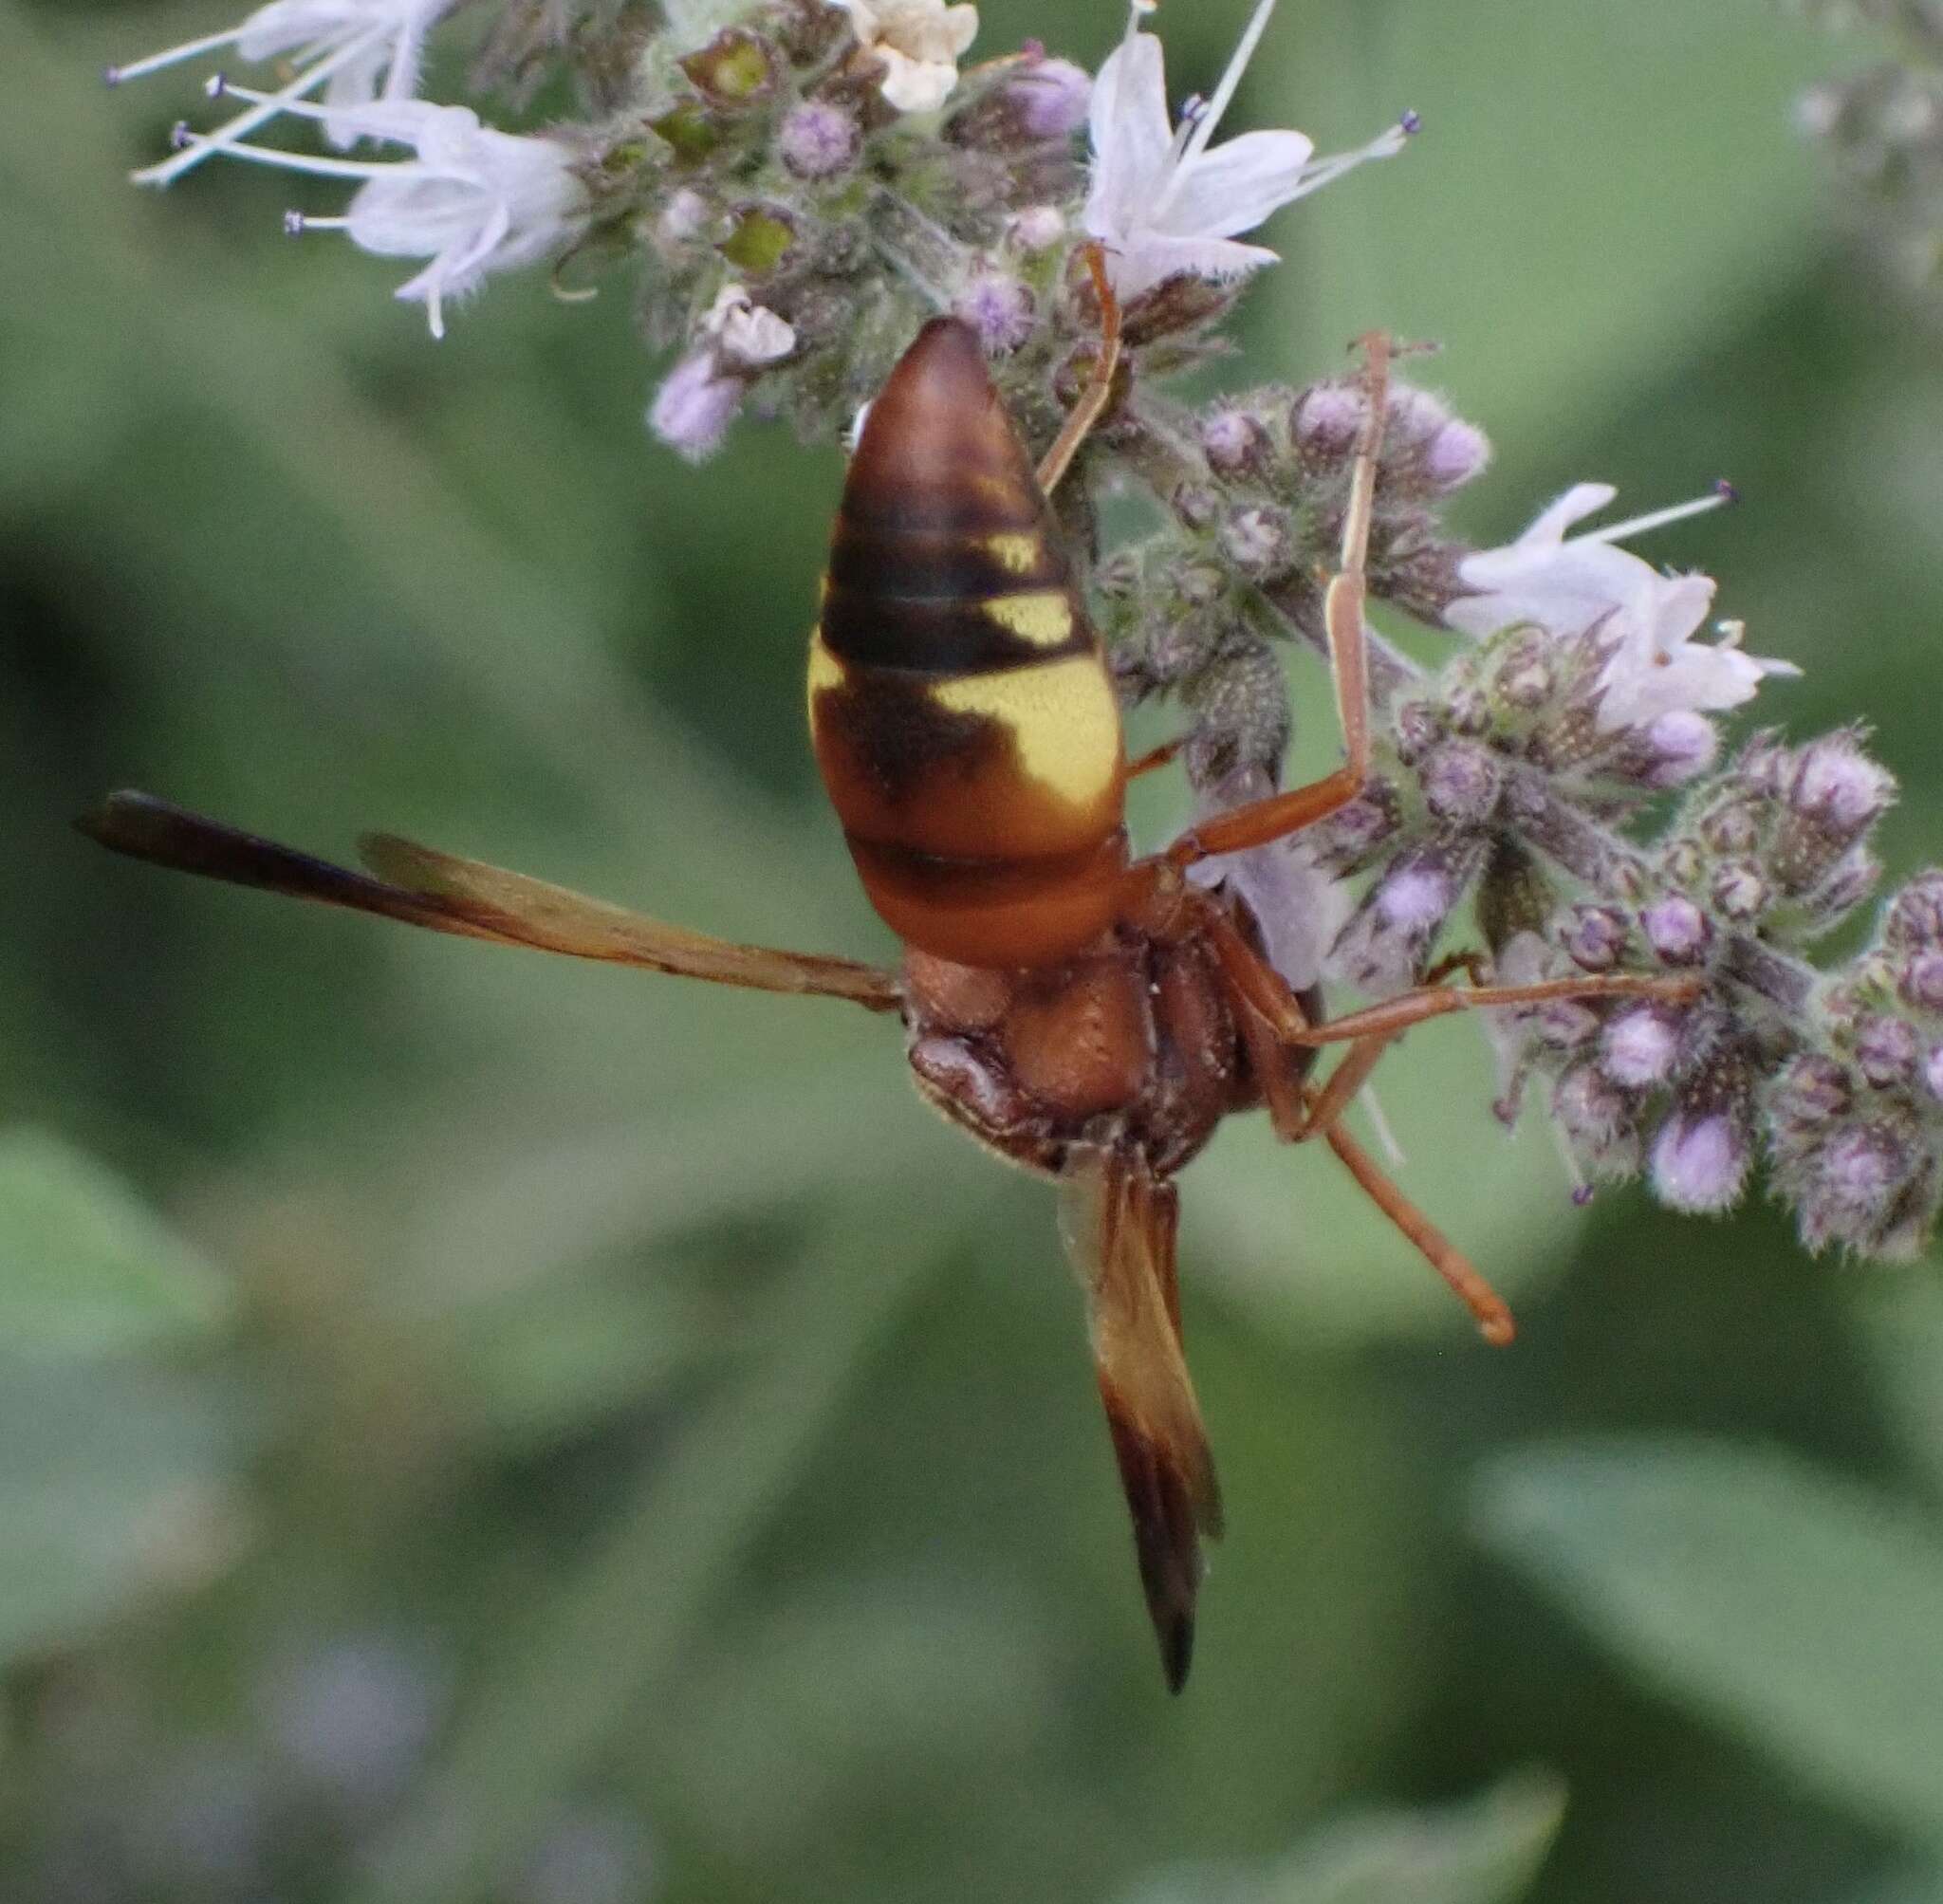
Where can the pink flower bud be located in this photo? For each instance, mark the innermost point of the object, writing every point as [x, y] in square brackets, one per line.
[1915, 914]
[1678, 747]
[1328, 418]
[999, 308]
[1232, 441]
[1638, 1049]
[1595, 939]
[1699, 1164]
[1037, 228]
[1456, 455]
[695, 406]
[1839, 788]
[1677, 931]
[1885, 1050]
[1050, 97]
[818, 139]
[1922, 981]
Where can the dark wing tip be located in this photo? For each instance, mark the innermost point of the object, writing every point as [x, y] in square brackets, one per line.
[1176, 1637]
[122, 820]
[1169, 1512]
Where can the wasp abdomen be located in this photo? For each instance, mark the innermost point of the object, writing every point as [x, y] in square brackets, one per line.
[964, 719]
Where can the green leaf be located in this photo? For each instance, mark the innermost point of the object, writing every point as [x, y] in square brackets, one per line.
[1796, 1608]
[115, 1489]
[1570, 221]
[85, 1268]
[1486, 1849]
[1902, 1317]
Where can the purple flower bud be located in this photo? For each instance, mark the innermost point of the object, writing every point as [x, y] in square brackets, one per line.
[1734, 827]
[818, 139]
[1525, 676]
[1411, 417]
[1812, 1091]
[1234, 441]
[1678, 747]
[1922, 981]
[1886, 1050]
[1258, 541]
[1856, 875]
[1050, 97]
[1037, 228]
[1595, 939]
[1566, 1024]
[1739, 890]
[1638, 1049]
[1597, 1121]
[1915, 914]
[1381, 947]
[683, 217]
[1460, 781]
[695, 406]
[999, 308]
[1456, 455]
[1859, 1177]
[1699, 1162]
[1345, 840]
[1327, 420]
[1933, 1071]
[1839, 788]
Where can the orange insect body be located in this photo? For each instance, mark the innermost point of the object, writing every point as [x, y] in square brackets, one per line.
[1087, 1017]
[964, 719]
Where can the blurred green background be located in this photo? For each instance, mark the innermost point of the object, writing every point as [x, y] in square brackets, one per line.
[474, 1427]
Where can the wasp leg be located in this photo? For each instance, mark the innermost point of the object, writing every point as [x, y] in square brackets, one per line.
[1098, 390]
[1267, 1011]
[1262, 821]
[1154, 757]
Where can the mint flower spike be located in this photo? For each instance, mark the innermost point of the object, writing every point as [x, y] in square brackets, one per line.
[1645, 620]
[358, 51]
[1160, 202]
[473, 200]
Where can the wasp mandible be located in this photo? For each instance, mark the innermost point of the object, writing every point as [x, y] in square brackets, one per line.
[1087, 1015]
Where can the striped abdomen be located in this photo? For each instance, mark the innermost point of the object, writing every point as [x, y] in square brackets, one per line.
[959, 700]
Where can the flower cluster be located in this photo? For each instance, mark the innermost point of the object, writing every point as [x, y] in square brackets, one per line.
[799, 184]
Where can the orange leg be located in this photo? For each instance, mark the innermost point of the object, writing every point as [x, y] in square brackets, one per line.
[1299, 1114]
[1262, 821]
[1098, 390]
[1160, 756]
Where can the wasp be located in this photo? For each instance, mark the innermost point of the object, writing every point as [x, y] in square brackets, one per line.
[1087, 1014]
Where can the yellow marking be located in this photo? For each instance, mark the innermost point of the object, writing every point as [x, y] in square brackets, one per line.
[825, 671]
[1062, 717]
[1042, 616]
[1016, 551]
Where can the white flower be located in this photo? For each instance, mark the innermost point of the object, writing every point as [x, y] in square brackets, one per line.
[1647, 619]
[473, 200]
[1160, 202]
[919, 41]
[746, 335]
[358, 51]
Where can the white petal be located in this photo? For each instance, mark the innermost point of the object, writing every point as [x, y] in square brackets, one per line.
[1580, 500]
[1564, 587]
[914, 85]
[1131, 135]
[1149, 258]
[1232, 189]
[1681, 604]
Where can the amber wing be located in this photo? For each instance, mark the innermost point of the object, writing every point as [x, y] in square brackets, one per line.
[1118, 1223]
[422, 886]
